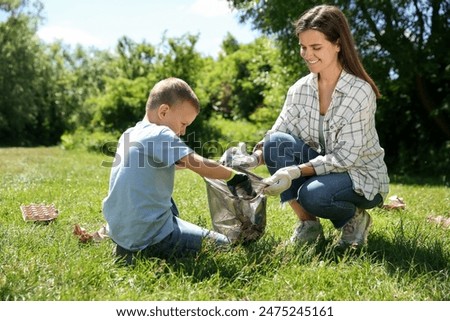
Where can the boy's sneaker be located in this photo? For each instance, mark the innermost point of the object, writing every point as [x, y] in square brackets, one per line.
[307, 232]
[354, 233]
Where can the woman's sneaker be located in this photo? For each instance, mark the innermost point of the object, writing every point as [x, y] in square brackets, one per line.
[307, 232]
[354, 233]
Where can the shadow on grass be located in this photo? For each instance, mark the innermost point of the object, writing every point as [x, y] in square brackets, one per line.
[413, 253]
[241, 262]
[236, 263]
[416, 256]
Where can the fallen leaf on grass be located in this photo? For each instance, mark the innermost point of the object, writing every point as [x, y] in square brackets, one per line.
[84, 236]
[395, 202]
[439, 220]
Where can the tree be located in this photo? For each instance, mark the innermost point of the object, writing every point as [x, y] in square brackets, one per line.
[229, 45]
[178, 57]
[134, 59]
[244, 78]
[23, 77]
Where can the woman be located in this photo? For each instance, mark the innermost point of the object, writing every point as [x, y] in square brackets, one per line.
[323, 151]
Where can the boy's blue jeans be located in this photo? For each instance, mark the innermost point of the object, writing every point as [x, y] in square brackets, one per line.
[185, 239]
[329, 196]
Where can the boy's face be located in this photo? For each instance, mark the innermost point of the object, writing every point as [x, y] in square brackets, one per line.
[178, 117]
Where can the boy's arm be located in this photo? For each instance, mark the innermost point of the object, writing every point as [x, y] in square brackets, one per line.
[205, 167]
[236, 182]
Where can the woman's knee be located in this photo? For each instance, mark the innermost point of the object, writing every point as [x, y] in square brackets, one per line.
[276, 140]
[308, 203]
[277, 145]
[313, 197]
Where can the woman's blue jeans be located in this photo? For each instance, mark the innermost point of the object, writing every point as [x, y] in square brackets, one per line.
[329, 196]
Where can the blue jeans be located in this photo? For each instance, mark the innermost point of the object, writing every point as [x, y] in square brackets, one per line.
[185, 239]
[329, 196]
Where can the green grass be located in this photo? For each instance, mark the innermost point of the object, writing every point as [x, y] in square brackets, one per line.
[407, 258]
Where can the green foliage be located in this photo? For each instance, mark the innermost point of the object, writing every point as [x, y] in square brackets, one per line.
[265, 116]
[178, 57]
[121, 105]
[97, 141]
[230, 133]
[407, 257]
[401, 44]
[134, 60]
[23, 85]
[244, 79]
[43, 88]
[276, 18]
[229, 44]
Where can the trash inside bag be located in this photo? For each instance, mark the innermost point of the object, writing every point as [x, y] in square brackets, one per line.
[240, 217]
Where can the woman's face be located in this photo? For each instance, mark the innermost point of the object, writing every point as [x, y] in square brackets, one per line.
[318, 53]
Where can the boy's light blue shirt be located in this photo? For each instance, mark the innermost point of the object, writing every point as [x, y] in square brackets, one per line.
[138, 205]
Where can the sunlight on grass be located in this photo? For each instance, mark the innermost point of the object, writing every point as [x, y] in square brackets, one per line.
[407, 257]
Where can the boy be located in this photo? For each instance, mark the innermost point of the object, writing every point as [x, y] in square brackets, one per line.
[139, 209]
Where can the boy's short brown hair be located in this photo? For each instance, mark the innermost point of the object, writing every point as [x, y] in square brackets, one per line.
[171, 91]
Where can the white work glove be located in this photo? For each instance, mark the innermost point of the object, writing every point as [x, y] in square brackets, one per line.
[227, 157]
[243, 159]
[281, 180]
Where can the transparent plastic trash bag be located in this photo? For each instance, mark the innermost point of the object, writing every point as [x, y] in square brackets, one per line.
[242, 218]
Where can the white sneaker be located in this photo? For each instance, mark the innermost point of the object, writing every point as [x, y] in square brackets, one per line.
[307, 232]
[354, 233]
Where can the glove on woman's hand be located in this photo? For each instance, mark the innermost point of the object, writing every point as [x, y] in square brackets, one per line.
[281, 180]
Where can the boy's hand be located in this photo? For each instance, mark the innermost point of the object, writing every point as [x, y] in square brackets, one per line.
[240, 184]
[281, 180]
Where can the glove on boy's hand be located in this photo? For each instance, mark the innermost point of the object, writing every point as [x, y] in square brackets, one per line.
[240, 182]
[281, 180]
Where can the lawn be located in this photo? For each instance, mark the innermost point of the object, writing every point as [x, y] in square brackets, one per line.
[407, 258]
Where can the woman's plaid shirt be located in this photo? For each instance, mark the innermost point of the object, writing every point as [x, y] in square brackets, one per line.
[351, 139]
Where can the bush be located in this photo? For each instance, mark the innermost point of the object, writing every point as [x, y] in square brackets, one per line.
[231, 132]
[97, 141]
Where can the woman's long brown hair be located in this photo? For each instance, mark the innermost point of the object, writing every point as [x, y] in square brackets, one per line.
[332, 22]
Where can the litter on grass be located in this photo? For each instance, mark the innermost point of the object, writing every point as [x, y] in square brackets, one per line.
[395, 203]
[39, 212]
[85, 237]
[440, 220]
